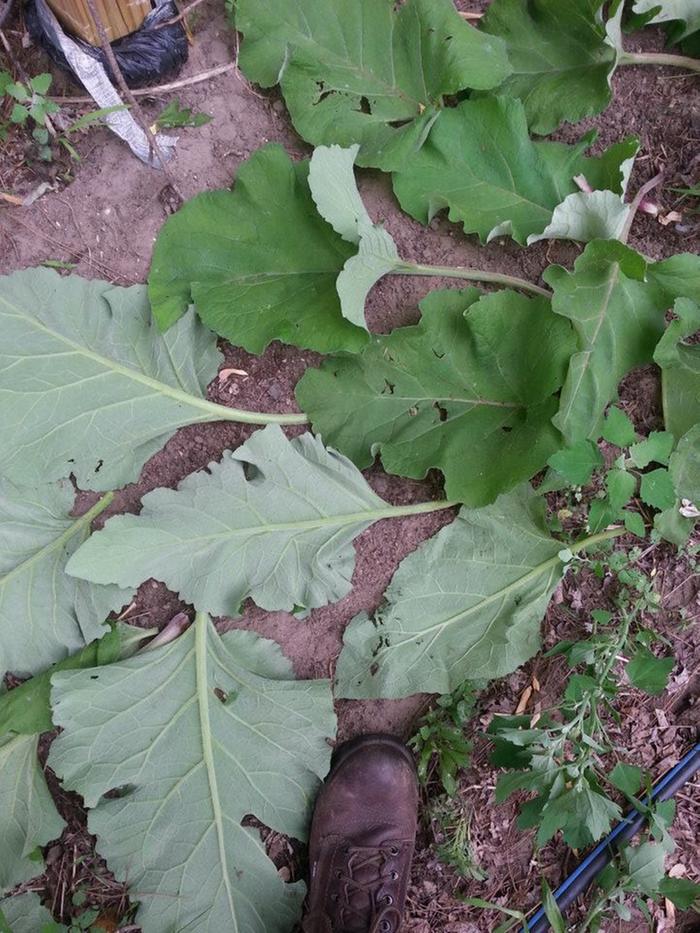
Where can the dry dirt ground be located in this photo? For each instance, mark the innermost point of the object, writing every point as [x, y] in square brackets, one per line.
[105, 221]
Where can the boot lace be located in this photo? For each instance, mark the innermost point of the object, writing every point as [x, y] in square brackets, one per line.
[365, 873]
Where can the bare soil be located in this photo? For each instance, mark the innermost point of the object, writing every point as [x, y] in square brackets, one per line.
[104, 216]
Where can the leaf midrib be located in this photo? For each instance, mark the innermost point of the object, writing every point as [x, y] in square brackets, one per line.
[202, 689]
[214, 411]
[75, 528]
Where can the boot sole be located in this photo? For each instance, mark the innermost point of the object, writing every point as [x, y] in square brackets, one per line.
[344, 751]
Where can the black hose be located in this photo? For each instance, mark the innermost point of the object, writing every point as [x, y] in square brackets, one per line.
[596, 860]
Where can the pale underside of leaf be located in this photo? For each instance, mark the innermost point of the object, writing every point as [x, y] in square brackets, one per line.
[28, 816]
[87, 385]
[223, 731]
[586, 216]
[481, 165]
[274, 520]
[44, 614]
[686, 12]
[466, 604]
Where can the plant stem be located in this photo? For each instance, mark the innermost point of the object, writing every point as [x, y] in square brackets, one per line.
[584, 543]
[659, 58]
[471, 275]
[224, 413]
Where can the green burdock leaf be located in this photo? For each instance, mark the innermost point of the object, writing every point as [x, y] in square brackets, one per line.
[44, 614]
[26, 709]
[480, 163]
[28, 817]
[684, 466]
[24, 913]
[680, 369]
[649, 673]
[561, 54]
[471, 599]
[684, 14]
[259, 262]
[370, 71]
[467, 391]
[87, 385]
[274, 520]
[618, 318]
[678, 275]
[223, 731]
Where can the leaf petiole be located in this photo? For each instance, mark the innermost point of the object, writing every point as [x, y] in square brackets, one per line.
[659, 58]
[471, 275]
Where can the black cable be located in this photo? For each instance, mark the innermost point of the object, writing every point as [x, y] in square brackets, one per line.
[596, 860]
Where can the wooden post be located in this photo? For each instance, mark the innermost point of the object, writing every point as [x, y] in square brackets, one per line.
[119, 16]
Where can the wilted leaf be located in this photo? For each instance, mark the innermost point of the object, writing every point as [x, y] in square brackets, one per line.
[480, 163]
[274, 520]
[28, 817]
[87, 385]
[26, 709]
[258, 262]
[618, 318]
[370, 71]
[561, 56]
[467, 391]
[223, 731]
[44, 614]
[468, 601]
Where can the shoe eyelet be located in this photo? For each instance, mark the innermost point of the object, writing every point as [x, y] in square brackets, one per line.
[385, 927]
[334, 897]
[394, 850]
[394, 876]
[388, 900]
[338, 873]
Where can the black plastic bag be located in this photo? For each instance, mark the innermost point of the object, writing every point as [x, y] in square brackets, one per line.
[145, 56]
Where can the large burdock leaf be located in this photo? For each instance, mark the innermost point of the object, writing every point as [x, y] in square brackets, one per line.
[469, 390]
[28, 817]
[561, 55]
[197, 734]
[274, 520]
[370, 71]
[680, 369]
[618, 318]
[468, 603]
[480, 163]
[24, 913]
[87, 385]
[44, 614]
[259, 262]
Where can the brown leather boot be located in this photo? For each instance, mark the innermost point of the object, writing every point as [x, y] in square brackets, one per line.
[362, 838]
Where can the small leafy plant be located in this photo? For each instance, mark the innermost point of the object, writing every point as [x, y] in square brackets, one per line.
[441, 748]
[559, 757]
[174, 116]
[31, 109]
